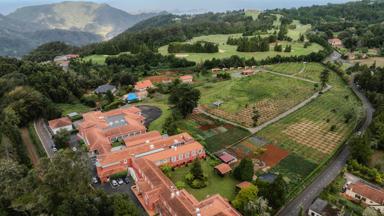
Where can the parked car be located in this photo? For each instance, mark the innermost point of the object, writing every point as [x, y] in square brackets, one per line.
[114, 183]
[54, 149]
[95, 180]
[120, 181]
[126, 179]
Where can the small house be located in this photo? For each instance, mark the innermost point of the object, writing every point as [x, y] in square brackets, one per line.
[247, 72]
[335, 42]
[216, 70]
[322, 208]
[143, 85]
[63, 123]
[227, 158]
[223, 169]
[366, 193]
[186, 79]
[103, 89]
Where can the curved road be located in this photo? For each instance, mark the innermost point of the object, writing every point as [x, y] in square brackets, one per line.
[306, 197]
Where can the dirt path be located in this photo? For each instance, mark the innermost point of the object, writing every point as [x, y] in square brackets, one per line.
[32, 154]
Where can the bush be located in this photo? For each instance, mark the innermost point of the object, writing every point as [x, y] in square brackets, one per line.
[119, 175]
[197, 184]
[180, 185]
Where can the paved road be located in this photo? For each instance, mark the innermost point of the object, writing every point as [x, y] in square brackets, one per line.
[44, 136]
[330, 173]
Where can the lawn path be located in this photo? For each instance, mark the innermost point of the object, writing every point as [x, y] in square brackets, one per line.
[301, 71]
[32, 154]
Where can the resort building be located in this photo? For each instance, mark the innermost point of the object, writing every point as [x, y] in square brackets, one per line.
[118, 137]
[159, 196]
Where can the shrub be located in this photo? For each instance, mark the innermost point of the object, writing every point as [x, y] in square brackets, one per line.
[180, 185]
[119, 175]
[197, 184]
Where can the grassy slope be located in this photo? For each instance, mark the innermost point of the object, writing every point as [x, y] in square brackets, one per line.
[237, 93]
[228, 50]
[77, 107]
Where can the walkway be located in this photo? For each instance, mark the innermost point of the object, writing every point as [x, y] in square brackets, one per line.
[44, 136]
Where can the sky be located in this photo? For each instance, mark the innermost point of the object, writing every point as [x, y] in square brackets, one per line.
[136, 6]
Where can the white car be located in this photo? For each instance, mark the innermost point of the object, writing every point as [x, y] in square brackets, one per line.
[120, 181]
[94, 180]
[114, 183]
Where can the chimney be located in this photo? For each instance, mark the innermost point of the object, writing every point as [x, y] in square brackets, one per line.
[173, 195]
[177, 193]
[198, 212]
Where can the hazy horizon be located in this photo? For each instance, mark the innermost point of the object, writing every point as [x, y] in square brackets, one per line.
[134, 6]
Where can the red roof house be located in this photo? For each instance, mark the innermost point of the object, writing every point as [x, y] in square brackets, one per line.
[186, 79]
[63, 123]
[223, 169]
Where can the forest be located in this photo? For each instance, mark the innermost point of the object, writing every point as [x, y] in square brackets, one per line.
[198, 47]
[357, 23]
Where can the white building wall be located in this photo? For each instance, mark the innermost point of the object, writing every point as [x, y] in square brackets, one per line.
[67, 128]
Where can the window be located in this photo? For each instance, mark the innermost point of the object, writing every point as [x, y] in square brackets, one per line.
[193, 152]
[173, 159]
[200, 151]
[187, 155]
[180, 156]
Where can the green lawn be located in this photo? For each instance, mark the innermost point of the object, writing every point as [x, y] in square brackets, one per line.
[300, 29]
[237, 93]
[286, 68]
[77, 107]
[99, 59]
[226, 51]
[225, 186]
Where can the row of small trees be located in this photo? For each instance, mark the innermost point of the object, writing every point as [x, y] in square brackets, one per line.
[198, 47]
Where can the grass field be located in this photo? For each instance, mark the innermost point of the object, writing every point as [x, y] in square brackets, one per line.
[369, 61]
[270, 94]
[226, 51]
[76, 107]
[225, 186]
[99, 59]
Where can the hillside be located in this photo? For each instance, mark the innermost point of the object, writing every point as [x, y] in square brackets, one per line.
[100, 19]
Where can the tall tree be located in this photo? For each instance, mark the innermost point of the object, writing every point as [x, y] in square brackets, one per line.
[184, 98]
[244, 171]
[324, 77]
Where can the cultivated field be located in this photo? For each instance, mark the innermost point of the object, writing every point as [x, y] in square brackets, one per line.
[311, 134]
[270, 94]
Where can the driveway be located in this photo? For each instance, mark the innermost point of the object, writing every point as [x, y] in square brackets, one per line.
[151, 113]
[123, 189]
[44, 136]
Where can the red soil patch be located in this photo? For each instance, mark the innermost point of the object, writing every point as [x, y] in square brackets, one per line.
[273, 155]
[207, 127]
[32, 154]
[160, 79]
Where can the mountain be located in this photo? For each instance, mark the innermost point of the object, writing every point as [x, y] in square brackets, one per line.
[100, 19]
[75, 23]
[17, 38]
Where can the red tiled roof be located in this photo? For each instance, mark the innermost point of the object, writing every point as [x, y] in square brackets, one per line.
[170, 201]
[186, 77]
[61, 122]
[248, 71]
[143, 84]
[365, 190]
[243, 184]
[226, 158]
[223, 168]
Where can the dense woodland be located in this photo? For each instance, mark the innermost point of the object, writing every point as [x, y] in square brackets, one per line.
[358, 24]
[197, 47]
